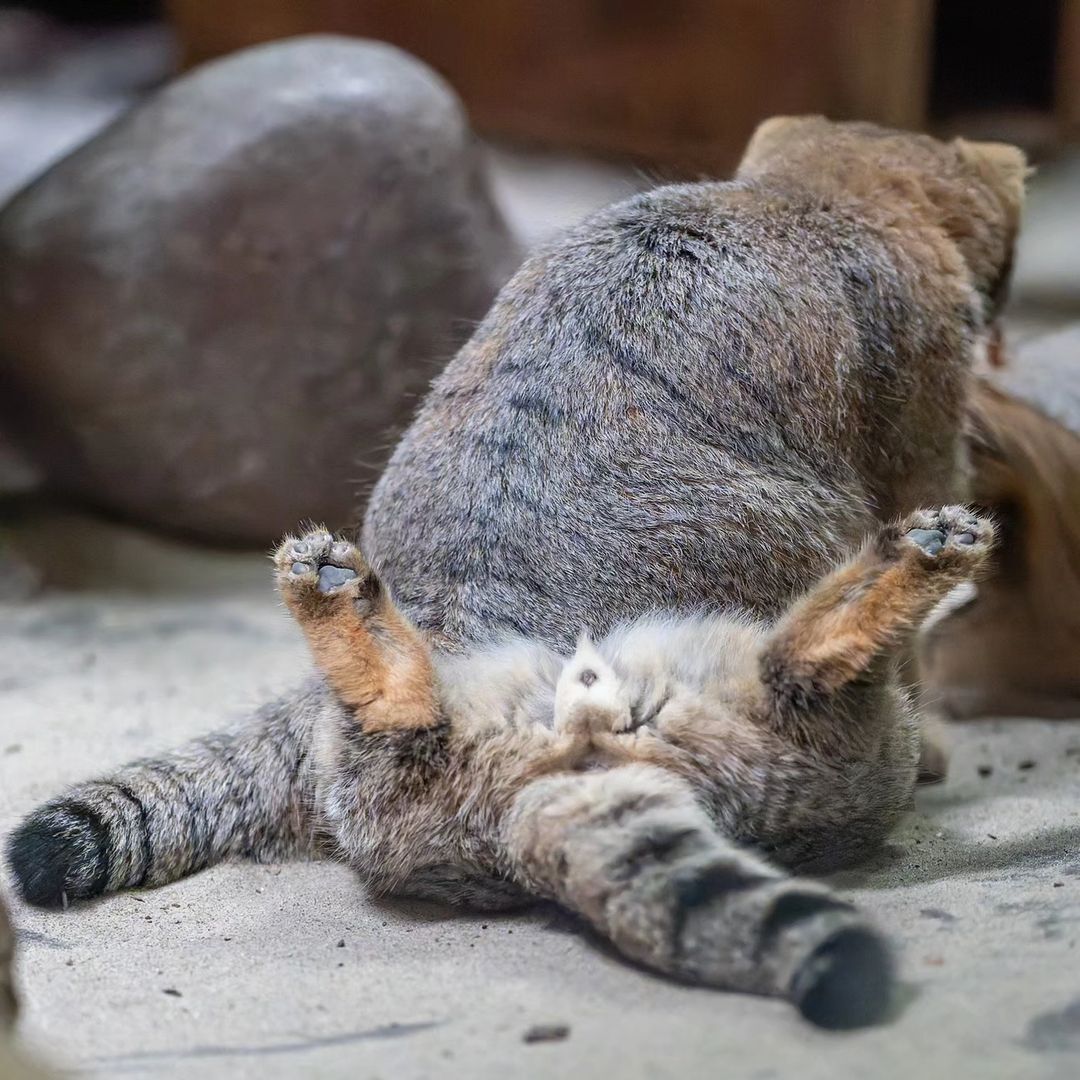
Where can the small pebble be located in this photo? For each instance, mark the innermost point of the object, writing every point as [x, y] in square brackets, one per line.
[546, 1033]
[341, 944]
[986, 770]
[1026, 764]
[172, 991]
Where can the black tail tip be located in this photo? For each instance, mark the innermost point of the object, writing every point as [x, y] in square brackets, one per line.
[847, 981]
[59, 854]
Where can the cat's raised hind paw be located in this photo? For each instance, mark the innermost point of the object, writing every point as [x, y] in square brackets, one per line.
[952, 537]
[317, 572]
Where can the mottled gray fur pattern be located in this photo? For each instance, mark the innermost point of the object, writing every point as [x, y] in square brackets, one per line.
[699, 399]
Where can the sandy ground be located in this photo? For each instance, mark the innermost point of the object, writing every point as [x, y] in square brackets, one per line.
[287, 971]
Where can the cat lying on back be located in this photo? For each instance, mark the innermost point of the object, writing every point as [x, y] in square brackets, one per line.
[698, 400]
[624, 780]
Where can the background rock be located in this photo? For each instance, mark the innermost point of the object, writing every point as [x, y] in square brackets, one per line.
[214, 314]
[18, 474]
[1045, 373]
[60, 84]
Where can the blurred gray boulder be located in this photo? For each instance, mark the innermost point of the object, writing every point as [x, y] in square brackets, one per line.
[215, 314]
[18, 474]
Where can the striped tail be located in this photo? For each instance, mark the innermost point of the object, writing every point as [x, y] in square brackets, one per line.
[246, 792]
[633, 852]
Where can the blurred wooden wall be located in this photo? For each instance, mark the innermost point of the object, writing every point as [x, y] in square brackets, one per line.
[674, 83]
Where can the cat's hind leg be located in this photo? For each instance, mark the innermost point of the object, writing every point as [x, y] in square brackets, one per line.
[842, 638]
[375, 660]
[632, 851]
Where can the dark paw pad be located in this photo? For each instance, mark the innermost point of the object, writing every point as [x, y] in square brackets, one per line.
[930, 540]
[333, 577]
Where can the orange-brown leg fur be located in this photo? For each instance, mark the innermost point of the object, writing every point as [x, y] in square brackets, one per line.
[377, 662]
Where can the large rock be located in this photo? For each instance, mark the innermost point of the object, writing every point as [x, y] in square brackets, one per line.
[18, 474]
[214, 314]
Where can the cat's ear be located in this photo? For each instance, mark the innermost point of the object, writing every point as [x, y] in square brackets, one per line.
[781, 127]
[1002, 166]
[773, 135]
